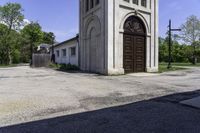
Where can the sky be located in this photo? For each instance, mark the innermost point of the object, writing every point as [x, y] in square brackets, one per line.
[62, 16]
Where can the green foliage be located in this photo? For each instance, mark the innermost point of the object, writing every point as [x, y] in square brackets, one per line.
[64, 67]
[24, 50]
[11, 15]
[48, 38]
[191, 30]
[16, 43]
[54, 66]
[67, 67]
[163, 68]
[5, 66]
[180, 52]
[16, 56]
[3, 31]
[191, 34]
[33, 34]
[163, 50]
[8, 44]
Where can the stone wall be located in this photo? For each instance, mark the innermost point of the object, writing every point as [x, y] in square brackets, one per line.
[101, 35]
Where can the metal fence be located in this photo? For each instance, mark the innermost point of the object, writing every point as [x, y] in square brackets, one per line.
[41, 60]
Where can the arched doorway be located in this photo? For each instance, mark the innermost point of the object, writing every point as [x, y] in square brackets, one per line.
[134, 47]
[93, 51]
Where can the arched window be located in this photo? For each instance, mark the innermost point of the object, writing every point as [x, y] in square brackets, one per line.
[134, 25]
[135, 2]
[97, 2]
[127, 1]
[91, 4]
[87, 5]
[144, 3]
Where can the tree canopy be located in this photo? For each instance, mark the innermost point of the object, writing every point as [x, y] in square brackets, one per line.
[16, 39]
[33, 33]
[191, 34]
[11, 15]
[191, 30]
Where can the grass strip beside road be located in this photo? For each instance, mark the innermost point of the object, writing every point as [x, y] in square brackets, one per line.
[6, 66]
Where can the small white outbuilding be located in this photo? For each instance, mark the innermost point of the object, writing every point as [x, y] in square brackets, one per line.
[67, 52]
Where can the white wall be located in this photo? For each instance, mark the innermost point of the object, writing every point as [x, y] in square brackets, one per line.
[118, 12]
[92, 38]
[108, 19]
[68, 58]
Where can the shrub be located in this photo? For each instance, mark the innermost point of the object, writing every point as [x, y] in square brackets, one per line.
[54, 66]
[66, 67]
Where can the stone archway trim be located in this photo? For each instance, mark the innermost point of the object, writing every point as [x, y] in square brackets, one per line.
[134, 14]
[92, 22]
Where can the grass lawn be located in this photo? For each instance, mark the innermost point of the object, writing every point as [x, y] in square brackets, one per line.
[4, 66]
[163, 68]
[186, 64]
[175, 66]
[181, 64]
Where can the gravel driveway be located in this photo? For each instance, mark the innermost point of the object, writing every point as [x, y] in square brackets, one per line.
[35, 95]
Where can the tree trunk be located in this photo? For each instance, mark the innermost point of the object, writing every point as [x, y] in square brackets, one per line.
[194, 60]
[10, 57]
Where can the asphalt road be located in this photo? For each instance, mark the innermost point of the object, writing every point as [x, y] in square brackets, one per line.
[48, 101]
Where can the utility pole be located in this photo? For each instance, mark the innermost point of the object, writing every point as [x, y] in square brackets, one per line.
[170, 43]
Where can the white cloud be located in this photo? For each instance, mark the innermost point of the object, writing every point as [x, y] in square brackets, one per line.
[26, 21]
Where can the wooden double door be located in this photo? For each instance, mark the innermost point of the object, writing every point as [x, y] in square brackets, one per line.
[134, 53]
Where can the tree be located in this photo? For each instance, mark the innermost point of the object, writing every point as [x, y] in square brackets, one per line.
[163, 50]
[33, 32]
[10, 15]
[180, 52]
[3, 31]
[33, 35]
[48, 38]
[191, 33]
[13, 39]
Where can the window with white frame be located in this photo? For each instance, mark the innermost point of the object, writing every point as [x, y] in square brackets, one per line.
[73, 51]
[57, 53]
[144, 3]
[64, 52]
[87, 5]
[135, 2]
[127, 1]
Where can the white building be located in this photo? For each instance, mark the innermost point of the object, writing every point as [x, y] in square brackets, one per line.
[118, 36]
[67, 52]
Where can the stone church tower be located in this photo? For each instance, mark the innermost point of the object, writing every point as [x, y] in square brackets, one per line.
[119, 36]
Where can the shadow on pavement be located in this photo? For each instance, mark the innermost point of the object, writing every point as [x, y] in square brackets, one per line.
[159, 115]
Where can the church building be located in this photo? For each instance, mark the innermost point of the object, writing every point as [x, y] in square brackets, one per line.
[118, 36]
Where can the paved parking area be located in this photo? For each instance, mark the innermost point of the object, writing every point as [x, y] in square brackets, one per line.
[44, 100]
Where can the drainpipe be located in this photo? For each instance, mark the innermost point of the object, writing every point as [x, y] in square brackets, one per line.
[77, 38]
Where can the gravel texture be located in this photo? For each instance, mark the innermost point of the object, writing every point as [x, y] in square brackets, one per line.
[44, 100]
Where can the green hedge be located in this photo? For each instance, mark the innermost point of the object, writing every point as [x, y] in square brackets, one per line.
[64, 67]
